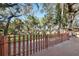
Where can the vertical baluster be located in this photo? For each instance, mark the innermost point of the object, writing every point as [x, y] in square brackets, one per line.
[33, 43]
[30, 43]
[43, 41]
[59, 39]
[27, 46]
[67, 35]
[61, 36]
[9, 45]
[39, 42]
[14, 48]
[23, 45]
[36, 41]
[64, 35]
[19, 45]
[46, 41]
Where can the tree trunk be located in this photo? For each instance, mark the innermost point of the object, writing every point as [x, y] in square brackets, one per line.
[6, 28]
[71, 20]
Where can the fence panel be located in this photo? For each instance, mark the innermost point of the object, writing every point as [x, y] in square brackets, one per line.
[30, 43]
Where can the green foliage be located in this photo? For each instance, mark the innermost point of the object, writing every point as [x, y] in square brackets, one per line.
[65, 20]
[32, 22]
[58, 15]
[52, 17]
[60, 19]
[16, 24]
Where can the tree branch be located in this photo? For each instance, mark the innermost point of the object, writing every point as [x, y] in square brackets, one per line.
[7, 4]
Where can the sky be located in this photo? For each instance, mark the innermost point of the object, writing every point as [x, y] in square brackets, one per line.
[37, 12]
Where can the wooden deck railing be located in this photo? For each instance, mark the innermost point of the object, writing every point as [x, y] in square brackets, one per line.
[28, 44]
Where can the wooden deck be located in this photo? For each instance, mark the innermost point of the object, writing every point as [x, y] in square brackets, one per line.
[66, 48]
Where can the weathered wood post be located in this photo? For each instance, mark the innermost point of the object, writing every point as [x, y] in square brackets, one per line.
[46, 41]
[27, 50]
[36, 41]
[3, 46]
[31, 43]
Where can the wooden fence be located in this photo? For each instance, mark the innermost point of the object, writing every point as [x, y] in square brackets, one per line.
[28, 44]
[57, 38]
